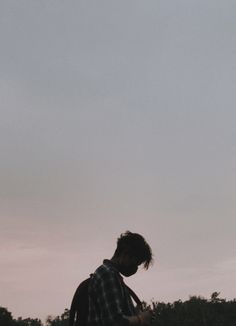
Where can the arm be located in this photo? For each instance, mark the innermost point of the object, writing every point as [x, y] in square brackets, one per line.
[142, 319]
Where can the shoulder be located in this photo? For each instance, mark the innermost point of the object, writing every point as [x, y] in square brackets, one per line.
[105, 273]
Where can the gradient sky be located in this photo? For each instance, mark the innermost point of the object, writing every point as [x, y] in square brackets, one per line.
[115, 116]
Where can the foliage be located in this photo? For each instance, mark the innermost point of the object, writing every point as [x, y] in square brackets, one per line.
[197, 311]
[59, 320]
[28, 322]
[6, 319]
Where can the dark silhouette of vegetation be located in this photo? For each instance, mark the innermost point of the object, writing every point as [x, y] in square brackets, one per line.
[6, 319]
[28, 322]
[62, 320]
[197, 311]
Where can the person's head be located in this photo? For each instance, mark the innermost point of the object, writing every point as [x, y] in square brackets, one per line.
[132, 250]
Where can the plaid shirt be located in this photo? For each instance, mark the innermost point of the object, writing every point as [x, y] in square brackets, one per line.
[109, 299]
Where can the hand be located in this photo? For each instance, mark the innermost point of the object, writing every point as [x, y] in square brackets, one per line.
[146, 317]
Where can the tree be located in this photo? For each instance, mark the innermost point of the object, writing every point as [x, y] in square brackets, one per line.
[197, 311]
[28, 322]
[6, 317]
[58, 320]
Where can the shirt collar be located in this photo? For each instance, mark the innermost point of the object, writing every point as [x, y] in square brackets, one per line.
[112, 266]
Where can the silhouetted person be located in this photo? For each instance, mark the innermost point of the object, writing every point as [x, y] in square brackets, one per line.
[110, 302]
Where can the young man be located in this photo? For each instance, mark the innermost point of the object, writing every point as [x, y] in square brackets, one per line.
[110, 303]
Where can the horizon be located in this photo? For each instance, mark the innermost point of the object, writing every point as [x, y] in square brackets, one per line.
[43, 320]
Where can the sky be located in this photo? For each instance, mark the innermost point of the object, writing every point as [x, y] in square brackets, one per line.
[115, 116]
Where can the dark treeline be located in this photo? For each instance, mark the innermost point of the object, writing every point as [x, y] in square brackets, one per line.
[197, 311]
[6, 319]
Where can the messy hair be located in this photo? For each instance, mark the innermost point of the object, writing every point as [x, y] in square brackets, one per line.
[135, 245]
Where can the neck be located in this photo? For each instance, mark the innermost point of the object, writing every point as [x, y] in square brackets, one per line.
[117, 261]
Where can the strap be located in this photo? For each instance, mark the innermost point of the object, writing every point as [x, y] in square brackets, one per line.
[132, 294]
[135, 297]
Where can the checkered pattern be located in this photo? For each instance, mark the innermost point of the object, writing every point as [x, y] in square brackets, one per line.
[109, 299]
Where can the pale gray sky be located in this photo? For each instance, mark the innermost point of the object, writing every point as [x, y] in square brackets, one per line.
[116, 115]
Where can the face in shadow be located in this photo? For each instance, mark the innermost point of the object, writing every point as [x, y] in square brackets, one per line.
[128, 265]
